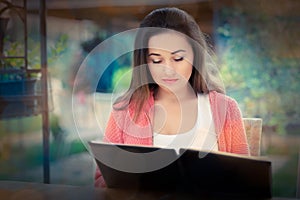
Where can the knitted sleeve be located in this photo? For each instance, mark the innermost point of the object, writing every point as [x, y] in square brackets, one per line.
[228, 124]
[114, 130]
[113, 134]
[239, 142]
[99, 180]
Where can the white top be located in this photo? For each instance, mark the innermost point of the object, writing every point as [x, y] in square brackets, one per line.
[201, 137]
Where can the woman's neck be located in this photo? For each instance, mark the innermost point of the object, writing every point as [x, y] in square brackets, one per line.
[171, 96]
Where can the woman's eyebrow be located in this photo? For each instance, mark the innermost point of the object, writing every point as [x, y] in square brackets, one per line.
[154, 54]
[180, 50]
[174, 52]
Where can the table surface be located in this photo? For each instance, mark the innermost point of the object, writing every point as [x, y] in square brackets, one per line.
[38, 191]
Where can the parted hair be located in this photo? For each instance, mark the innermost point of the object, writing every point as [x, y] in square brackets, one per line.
[203, 78]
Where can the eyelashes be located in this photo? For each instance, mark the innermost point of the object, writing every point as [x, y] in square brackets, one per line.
[158, 61]
[179, 59]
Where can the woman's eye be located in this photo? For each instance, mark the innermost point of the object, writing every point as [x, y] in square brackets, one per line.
[156, 61]
[178, 59]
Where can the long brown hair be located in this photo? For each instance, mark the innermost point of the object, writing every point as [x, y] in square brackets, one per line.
[203, 78]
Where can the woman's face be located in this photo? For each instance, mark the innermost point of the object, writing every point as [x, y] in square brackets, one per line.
[170, 60]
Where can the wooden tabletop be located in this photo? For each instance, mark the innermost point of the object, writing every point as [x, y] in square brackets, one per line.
[15, 190]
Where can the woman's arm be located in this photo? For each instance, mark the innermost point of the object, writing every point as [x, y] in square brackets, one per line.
[113, 134]
[99, 180]
[113, 131]
[239, 142]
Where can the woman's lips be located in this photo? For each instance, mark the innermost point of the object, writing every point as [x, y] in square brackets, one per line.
[170, 80]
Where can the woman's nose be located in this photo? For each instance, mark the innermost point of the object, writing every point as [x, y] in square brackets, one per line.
[169, 69]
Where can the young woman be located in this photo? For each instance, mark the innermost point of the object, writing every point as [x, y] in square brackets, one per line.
[175, 99]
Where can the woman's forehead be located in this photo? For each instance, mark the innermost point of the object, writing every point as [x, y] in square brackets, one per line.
[169, 41]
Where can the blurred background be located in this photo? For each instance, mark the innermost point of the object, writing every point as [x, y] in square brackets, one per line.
[257, 48]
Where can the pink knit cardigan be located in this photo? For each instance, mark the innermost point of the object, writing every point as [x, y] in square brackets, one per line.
[226, 116]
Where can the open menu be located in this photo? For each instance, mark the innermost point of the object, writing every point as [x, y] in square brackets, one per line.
[191, 171]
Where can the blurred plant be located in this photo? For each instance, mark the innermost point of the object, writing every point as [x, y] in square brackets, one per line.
[121, 79]
[16, 49]
[13, 65]
[260, 64]
[57, 130]
[58, 48]
[7, 10]
[108, 80]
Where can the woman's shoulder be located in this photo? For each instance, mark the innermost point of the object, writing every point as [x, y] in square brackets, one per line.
[218, 95]
[125, 105]
[221, 99]
[223, 105]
